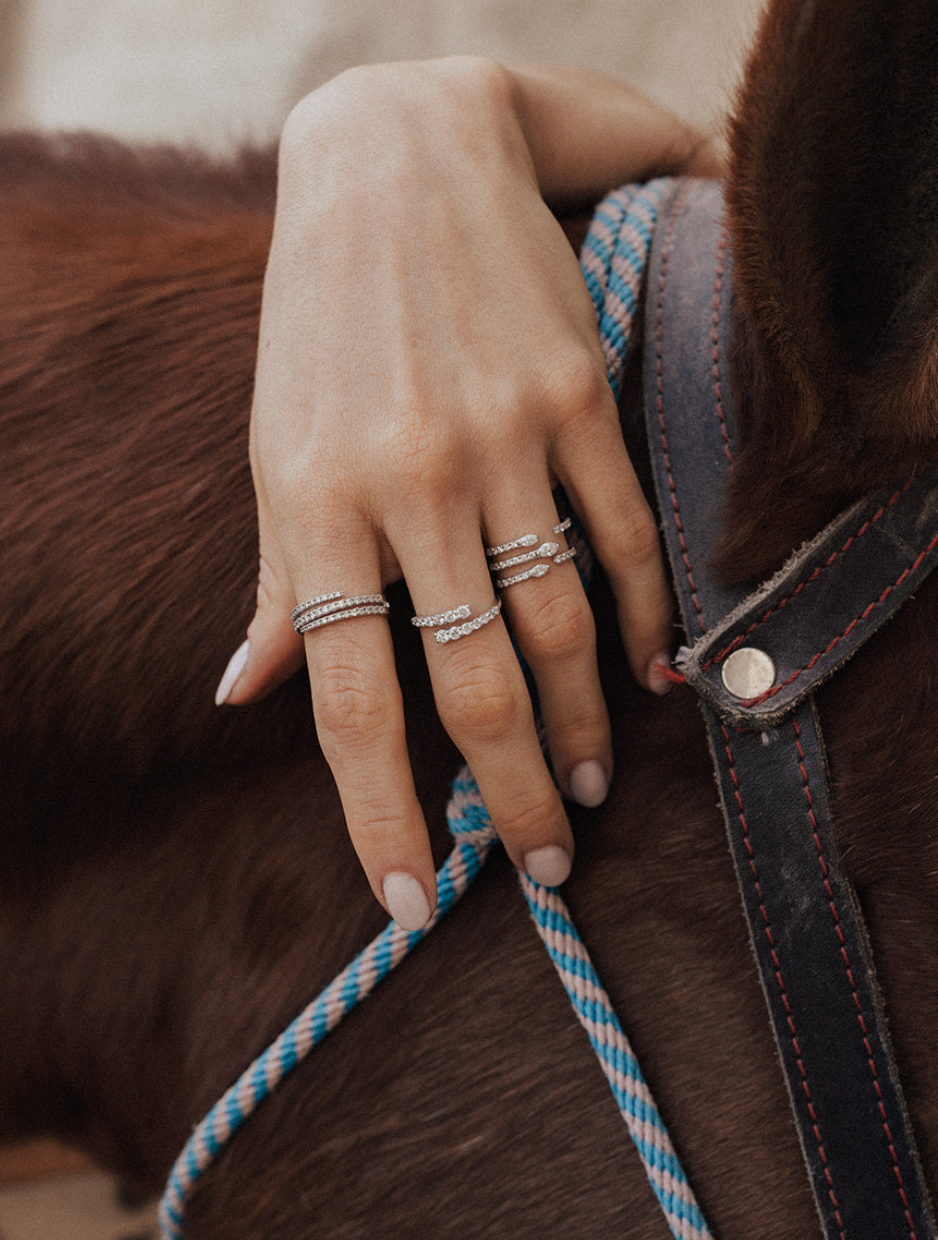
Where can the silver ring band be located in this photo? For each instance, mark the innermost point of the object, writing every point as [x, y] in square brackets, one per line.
[300, 608]
[539, 570]
[376, 609]
[526, 540]
[471, 626]
[463, 612]
[332, 607]
[544, 552]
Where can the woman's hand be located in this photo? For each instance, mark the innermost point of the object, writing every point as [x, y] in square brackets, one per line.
[429, 368]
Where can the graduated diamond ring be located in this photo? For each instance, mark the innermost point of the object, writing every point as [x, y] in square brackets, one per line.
[463, 612]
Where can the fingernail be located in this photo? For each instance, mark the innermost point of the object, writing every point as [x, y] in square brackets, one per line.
[660, 675]
[232, 672]
[406, 900]
[588, 784]
[548, 866]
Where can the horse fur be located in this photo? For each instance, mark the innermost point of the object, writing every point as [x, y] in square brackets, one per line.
[177, 881]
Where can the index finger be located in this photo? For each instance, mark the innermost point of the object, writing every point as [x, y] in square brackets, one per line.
[360, 722]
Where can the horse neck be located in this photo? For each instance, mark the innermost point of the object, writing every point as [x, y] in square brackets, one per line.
[145, 975]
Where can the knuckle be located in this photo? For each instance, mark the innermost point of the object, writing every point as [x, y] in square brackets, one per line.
[582, 721]
[578, 389]
[633, 539]
[351, 708]
[421, 457]
[561, 627]
[480, 704]
[530, 818]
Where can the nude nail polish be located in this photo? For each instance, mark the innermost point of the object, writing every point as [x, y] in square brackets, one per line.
[548, 866]
[588, 784]
[234, 669]
[406, 900]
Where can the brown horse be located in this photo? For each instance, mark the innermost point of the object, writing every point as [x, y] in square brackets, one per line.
[176, 880]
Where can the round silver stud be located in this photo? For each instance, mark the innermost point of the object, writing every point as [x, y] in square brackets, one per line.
[748, 673]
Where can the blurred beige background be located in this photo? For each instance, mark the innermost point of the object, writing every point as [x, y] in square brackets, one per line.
[219, 72]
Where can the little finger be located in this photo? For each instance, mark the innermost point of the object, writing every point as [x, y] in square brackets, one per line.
[601, 483]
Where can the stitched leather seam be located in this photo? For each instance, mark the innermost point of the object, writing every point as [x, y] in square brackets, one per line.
[868, 524]
[770, 693]
[659, 331]
[789, 1020]
[715, 342]
[845, 956]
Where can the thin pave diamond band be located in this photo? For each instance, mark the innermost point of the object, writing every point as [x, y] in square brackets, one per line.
[337, 605]
[311, 603]
[539, 570]
[443, 617]
[375, 609]
[526, 540]
[543, 552]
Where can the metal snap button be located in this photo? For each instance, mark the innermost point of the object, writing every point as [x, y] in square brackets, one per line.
[748, 673]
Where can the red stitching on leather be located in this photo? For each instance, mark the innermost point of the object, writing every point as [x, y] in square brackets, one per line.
[868, 524]
[770, 693]
[715, 342]
[781, 986]
[845, 956]
[659, 329]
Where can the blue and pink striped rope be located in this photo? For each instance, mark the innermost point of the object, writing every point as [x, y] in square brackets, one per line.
[613, 260]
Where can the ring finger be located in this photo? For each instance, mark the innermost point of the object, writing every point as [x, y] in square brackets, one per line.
[553, 624]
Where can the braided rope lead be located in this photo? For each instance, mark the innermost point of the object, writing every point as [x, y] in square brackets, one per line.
[473, 836]
[633, 1097]
[613, 260]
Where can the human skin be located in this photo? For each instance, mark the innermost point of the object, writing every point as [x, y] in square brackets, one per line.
[428, 370]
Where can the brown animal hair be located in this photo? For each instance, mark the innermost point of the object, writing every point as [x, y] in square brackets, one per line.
[834, 211]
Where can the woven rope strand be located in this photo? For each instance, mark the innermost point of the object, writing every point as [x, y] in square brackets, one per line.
[633, 1097]
[473, 839]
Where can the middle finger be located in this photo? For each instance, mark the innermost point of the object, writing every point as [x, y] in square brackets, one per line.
[482, 698]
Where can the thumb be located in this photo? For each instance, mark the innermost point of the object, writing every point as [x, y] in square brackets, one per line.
[272, 651]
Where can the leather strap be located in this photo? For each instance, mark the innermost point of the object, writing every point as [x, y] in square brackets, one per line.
[825, 602]
[805, 927]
